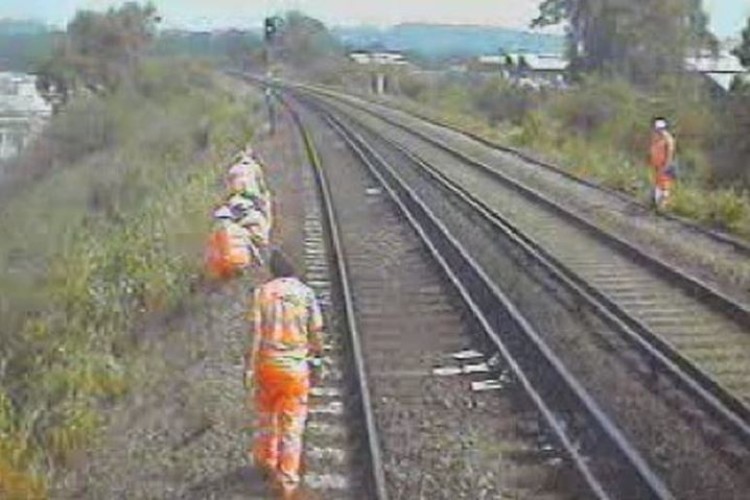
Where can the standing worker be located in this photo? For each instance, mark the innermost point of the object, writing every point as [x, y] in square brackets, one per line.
[287, 346]
[662, 162]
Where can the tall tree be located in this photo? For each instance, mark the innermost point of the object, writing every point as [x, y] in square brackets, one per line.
[636, 38]
[305, 42]
[100, 50]
[742, 51]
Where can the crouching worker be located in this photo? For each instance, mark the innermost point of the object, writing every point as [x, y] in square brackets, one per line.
[246, 178]
[249, 216]
[228, 249]
[286, 351]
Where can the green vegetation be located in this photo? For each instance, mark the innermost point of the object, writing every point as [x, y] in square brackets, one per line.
[113, 232]
[241, 48]
[102, 223]
[640, 40]
[599, 129]
[99, 51]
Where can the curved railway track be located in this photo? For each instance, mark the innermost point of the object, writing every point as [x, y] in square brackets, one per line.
[742, 247]
[413, 356]
[701, 335]
[725, 426]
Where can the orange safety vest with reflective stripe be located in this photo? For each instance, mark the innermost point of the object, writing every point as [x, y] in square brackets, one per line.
[288, 320]
[662, 150]
[227, 250]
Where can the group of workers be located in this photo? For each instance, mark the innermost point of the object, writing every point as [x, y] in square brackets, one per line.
[242, 224]
[287, 347]
[285, 355]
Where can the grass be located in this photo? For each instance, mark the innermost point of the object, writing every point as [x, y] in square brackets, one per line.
[110, 229]
[598, 131]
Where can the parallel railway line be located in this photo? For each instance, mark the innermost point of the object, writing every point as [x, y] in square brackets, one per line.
[401, 343]
[700, 332]
[723, 426]
[398, 343]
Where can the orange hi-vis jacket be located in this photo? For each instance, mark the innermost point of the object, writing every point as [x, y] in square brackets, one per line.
[661, 155]
[288, 320]
[662, 150]
[227, 251]
[245, 178]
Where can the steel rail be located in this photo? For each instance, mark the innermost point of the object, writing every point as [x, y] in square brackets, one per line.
[733, 413]
[720, 301]
[377, 476]
[608, 463]
[738, 244]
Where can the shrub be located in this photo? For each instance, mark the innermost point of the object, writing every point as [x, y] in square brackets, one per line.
[500, 101]
[104, 239]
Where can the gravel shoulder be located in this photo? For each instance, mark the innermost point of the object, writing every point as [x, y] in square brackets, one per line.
[439, 438]
[647, 413]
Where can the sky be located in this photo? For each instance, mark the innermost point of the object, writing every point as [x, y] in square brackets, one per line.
[727, 16]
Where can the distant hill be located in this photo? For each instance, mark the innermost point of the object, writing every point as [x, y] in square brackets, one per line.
[23, 44]
[440, 40]
[21, 27]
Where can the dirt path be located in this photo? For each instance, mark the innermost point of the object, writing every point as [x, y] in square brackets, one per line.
[183, 430]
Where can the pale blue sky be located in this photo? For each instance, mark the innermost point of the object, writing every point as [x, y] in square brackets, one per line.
[727, 16]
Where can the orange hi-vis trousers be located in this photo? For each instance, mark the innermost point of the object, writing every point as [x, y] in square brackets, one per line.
[281, 411]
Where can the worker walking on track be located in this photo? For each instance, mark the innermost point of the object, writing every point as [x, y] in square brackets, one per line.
[248, 214]
[662, 162]
[286, 351]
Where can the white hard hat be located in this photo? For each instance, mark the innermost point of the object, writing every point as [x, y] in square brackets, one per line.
[223, 212]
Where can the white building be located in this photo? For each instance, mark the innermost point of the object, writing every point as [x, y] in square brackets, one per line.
[23, 112]
[722, 69]
[379, 58]
[533, 70]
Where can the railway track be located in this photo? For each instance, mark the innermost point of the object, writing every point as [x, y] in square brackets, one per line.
[455, 136]
[721, 426]
[740, 246]
[701, 334]
[450, 361]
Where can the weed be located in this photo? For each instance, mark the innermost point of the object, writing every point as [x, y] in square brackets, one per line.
[107, 232]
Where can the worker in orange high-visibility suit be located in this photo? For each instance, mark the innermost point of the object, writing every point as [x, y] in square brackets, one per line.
[246, 177]
[286, 350]
[249, 216]
[662, 162]
[228, 250]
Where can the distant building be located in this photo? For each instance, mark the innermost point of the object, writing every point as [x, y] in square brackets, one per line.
[23, 112]
[542, 69]
[390, 58]
[721, 70]
[534, 70]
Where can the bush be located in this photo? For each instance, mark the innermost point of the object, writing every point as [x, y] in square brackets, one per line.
[726, 209]
[412, 86]
[106, 238]
[499, 101]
